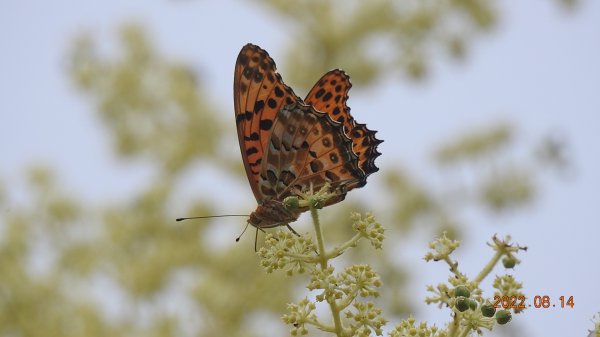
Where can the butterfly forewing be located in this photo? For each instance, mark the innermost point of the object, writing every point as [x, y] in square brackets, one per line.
[259, 94]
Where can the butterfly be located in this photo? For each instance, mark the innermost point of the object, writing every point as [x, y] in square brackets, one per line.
[290, 145]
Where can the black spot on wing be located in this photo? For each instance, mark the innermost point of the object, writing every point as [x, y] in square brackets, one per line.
[278, 92]
[266, 124]
[320, 93]
[243, 59]
[258, 77]
[258, 106]
[334, 158]
[316, 166]
[248, 72]
[253, 136]
[251, 150]
[331, 176]
[256, 163]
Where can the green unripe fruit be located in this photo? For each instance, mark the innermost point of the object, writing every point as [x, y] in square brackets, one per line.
[462, 291]
[472, 304]
[488, 310]
[509, 262]
[462, 304]
[503, 317]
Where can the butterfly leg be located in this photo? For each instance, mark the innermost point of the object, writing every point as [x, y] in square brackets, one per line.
[256, 238]
[291, 229]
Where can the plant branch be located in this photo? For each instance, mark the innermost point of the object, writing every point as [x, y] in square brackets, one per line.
[488, 267]
[335, 311]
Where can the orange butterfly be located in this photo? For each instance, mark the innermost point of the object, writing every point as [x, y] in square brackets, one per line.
[289, 145]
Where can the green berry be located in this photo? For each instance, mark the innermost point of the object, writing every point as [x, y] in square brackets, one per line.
[462, 304]
[472, 304]
[509, 262]
[503, 317]
[488, 310]
[462, 291]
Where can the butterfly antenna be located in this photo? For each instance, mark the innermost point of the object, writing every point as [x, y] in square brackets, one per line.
[210, 216]
[244, 231]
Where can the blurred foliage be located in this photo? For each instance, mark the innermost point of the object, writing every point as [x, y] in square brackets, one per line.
[69, 268]
[369, 39]
[152, 106]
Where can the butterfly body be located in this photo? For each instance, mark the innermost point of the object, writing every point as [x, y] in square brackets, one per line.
[289, 145]
[272, 213]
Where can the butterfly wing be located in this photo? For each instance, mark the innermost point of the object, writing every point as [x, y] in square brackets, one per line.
[258, 94]
[307, 149]
[329, 95]
[288, 146]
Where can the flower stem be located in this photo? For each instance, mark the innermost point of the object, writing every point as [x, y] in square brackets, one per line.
[464, 332]
[453, 326]
[452, 265]
[337, 251]
[488, 267]
[319, 233]
[335, 311]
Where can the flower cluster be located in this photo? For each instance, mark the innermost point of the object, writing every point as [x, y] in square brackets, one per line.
[368, 228]
[340, 290]
[345, 292]
[471, 311]
[441, 248]
[284, 250]
[365, 319]
[407, 328]
[323, 279]
[299, 315]
[354, 281]
[507, 286]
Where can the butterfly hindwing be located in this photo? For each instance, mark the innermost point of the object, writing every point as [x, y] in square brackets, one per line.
[307, 149]
[330, 95]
